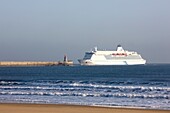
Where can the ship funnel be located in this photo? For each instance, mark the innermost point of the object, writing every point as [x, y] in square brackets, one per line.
[120, 48]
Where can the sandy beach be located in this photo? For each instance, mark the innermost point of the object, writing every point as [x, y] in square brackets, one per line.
[48, 108]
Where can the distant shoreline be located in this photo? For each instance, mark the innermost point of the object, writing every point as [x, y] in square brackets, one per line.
[27, 63]
[31, 63]
[50, 63]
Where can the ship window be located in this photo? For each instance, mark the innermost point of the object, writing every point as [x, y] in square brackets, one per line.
[88, 56]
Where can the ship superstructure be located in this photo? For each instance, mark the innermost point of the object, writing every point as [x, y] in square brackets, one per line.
[118, 57]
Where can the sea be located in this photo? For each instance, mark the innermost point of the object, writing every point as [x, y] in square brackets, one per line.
[144, 86]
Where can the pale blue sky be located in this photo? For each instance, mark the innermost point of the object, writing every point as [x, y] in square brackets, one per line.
[45, 30]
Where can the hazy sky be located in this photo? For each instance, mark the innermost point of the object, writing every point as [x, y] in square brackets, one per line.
[45, 30]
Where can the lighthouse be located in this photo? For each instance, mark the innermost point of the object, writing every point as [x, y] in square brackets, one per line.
[65, 59]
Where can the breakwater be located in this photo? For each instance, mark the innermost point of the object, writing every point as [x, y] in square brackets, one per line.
[27, 63]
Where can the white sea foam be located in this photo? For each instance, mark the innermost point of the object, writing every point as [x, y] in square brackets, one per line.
[121, 87]
[86, 93]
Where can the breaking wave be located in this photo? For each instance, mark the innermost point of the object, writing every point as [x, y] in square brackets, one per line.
[83, 89]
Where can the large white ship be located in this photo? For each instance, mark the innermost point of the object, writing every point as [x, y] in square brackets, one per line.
[118, 57]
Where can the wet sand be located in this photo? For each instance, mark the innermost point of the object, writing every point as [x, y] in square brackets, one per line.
[50, 108]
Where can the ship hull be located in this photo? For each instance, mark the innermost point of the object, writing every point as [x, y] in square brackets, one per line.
[113, 62]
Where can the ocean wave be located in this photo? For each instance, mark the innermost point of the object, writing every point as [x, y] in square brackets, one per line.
[78, 94]
[11, 83]
[90, 87]
[104, 84]
[151, 88]
[53, 82]
[25, 87]
[36, 88]
[83, 86]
